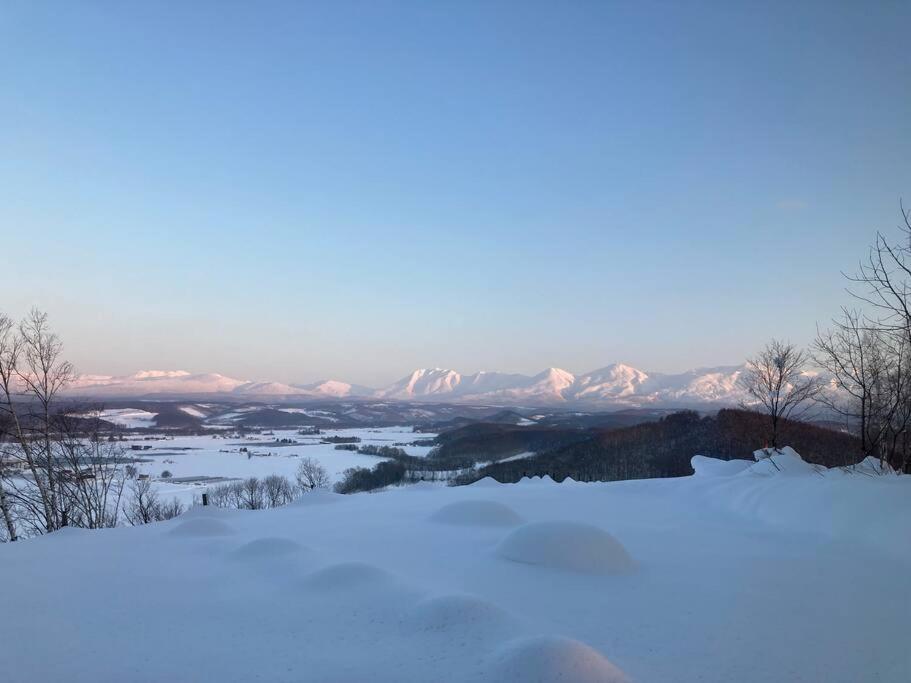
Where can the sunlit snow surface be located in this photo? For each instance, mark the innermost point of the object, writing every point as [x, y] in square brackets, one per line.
[130, 418]
[734, 575]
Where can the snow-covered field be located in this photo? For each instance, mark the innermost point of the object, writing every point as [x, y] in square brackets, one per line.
[217, 456]
[741, 573]
[130, 418]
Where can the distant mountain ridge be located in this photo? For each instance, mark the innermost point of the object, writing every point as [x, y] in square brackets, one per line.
[616, 384]
[613, 385]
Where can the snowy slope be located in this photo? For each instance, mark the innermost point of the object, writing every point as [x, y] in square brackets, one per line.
[130, 418]
[268, 389]
[155, 382]
[331, 388]
[180, 382]
[701, 385]
[736, 574]
[613, 382]
[486, 383]
[424, 382]
[442, 384]
[548, 386]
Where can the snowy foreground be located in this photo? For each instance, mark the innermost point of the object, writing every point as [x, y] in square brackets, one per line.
[743, 572]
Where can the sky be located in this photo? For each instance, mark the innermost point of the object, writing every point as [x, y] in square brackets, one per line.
[293, 191]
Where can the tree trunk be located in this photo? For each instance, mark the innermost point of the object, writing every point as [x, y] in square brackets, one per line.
[7, 516]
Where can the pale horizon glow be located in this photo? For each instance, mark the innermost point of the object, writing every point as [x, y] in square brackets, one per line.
[303, 191]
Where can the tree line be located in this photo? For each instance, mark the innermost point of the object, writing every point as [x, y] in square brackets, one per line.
[665, 447]
[273, 491]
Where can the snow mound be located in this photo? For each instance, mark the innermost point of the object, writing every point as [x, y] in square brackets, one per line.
[704, 466]
[459, 615]
[477, 513]
[202, 527]
[551, 659]
[871, 465]
[575, 546]
[537, 480]
[771, 461]
[268, 547]
[486, 482]
[67, 532]
[349, 575]
[765, 453]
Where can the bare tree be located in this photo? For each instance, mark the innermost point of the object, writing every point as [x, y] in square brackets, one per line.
[65, 472]
[226, 495]
[32, 373]
[169, 510]
[43, 374]
[871, 383]
[277, 490]
[311, 475]
[142, 502]
[7, 460]
[251, 494]
[144, 506]
[17, 443]
[883, 281]
[868, 352]
[776, 384]
[90, 472]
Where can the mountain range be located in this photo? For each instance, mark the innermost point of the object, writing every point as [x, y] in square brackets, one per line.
[614, 385]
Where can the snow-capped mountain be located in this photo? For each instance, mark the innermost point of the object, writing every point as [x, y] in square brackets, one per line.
[552, 383]
[332, 388]
[545, 387]
[147, 382]
[613, 382]
[616, 385]
[180, 382]
[702, 385]
[439, 383]
[435, 382]
[486, 382]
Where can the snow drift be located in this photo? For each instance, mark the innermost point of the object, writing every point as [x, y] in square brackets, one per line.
[373, 587]
[480, 512]
[546, 659]
[567, 545]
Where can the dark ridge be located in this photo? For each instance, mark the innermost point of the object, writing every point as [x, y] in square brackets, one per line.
[664, 448]
[492, 441]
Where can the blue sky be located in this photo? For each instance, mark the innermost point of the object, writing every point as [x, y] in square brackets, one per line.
[294, 191]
